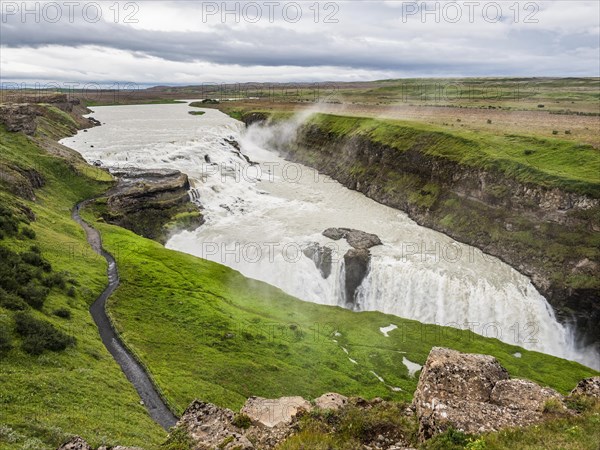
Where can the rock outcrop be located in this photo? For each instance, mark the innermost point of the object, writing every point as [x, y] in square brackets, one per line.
[19, 117]
[24, 112]
[331, 401]
[146, 201]
[589, 387]
[356, 265]
[274, 412]
[356, 238]
[473, 393]
[468, 392]
[75, 443]
[322, 256]
[261, 424]
[210, 426]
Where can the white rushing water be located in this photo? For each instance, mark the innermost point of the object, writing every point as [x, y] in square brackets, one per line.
[261, 216]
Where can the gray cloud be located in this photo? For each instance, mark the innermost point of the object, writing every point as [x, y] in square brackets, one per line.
[372, 38]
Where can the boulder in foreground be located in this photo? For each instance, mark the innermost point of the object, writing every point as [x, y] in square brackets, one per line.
[273, 412]
[473, 394]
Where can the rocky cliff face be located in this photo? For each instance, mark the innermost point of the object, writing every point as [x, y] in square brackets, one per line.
[357, 260]
[19, 117]
[530, 227]
[151, 203]
[26, 113]
[20, 178]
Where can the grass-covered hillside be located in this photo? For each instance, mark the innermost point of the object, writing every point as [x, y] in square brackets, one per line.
[56, 377]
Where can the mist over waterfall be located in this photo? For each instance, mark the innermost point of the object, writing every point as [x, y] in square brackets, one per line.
[263, 213]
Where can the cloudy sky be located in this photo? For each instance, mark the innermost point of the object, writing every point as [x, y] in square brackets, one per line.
[191, 42]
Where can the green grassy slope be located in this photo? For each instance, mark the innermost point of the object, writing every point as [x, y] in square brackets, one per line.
[80, 390]
[207, 332]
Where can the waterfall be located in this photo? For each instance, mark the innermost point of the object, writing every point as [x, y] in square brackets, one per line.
[262, 213]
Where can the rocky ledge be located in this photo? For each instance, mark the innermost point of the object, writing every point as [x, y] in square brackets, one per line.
[19, 117]
[151, 203]
[471, 393]
[23, 113]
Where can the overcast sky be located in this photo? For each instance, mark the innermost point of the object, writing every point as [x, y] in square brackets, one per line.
[185, 42]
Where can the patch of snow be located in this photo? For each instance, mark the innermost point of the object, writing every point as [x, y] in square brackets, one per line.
[378, 377]
[517, 355]
[411, 366]
[352, 360]
[386, 330]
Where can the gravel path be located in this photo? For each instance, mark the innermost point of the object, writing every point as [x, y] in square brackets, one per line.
[133, 370]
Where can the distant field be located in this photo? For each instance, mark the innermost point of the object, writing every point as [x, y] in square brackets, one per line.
[568, 108]
[548, 162]
[574, 128]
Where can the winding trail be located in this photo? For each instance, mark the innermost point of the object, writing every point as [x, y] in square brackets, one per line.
[133, 370]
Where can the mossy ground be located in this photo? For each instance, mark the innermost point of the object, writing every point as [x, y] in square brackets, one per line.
[46, 398]
[351, 428]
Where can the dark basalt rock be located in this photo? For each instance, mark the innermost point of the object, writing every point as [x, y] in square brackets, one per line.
[356, 263]
[321, 256]
[235, 144]
[334, 233]
[356, 260]
[94, 122]
[19, 117]
[146, 201]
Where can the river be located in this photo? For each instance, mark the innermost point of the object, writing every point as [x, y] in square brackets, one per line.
[262, 213]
